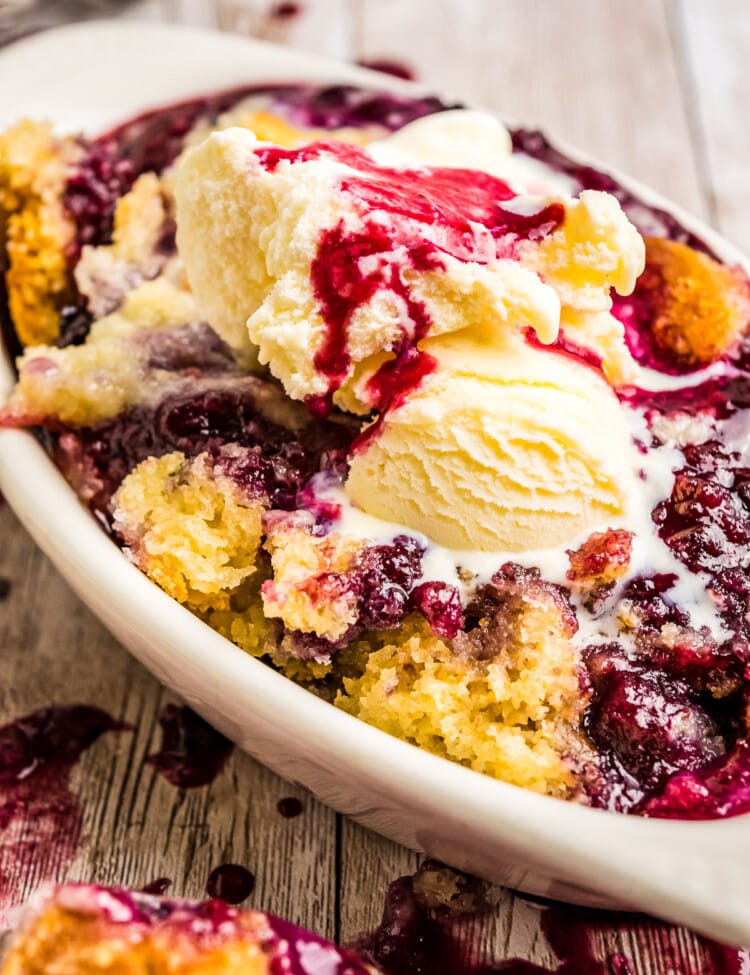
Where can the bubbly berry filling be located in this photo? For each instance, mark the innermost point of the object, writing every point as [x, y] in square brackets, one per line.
[383, 583]
[646, 724]
[98, 458]
[664, 718]
[720, 789]
[441, 606]
[100, 178]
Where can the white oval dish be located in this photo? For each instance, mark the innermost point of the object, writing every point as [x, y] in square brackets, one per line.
[698, 873]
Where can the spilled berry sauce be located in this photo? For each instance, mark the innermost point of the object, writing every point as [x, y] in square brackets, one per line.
[157, 887]
[289, 807]
[192, 753]
[397, 69]
[424, 934]
[231, 883]
[41, 819]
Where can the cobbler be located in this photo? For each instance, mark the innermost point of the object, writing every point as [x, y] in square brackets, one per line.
[447, 427]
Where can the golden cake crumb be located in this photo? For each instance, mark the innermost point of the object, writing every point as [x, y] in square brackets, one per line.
[189, 528]
[309, 591]
[33, 172]
[700, 308]
[513, 716]
[247, 626]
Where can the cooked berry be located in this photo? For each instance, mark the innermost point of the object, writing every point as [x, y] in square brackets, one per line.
[385, 578]
[652, 723]
[440, 604]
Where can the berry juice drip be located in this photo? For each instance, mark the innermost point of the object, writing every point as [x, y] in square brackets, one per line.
[192, 753]
[289, 807]
[231, 883]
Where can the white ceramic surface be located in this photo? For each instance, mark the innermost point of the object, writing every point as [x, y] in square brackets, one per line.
[698, 873]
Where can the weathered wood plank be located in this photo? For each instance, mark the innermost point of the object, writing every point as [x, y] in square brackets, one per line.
[714, 41]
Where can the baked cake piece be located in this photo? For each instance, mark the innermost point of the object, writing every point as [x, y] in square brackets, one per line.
[84, 929]
[397, 408]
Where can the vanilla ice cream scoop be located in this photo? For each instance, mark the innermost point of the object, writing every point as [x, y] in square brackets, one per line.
[427, 294]
[321, 259]
[503, 448]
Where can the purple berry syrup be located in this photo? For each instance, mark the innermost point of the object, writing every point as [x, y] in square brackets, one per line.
[231, 883]
[669, 720]
[192, 753]
[40, 818]
[289, 807]
[417, 938]
[227, 411]
[157, 887]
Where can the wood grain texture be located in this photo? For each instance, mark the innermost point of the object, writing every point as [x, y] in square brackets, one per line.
[655, 87]
[714, 45]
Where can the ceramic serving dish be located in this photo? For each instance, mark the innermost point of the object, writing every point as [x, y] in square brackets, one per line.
[90, 76]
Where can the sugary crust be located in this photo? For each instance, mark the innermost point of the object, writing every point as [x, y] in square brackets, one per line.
[33, 171]
[62, 942]
[701, 308]
[308, 591]
[189, 528]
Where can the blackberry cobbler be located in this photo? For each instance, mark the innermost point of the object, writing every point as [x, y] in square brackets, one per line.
[445, 426]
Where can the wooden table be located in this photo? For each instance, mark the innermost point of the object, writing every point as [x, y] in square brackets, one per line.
[656, 87]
